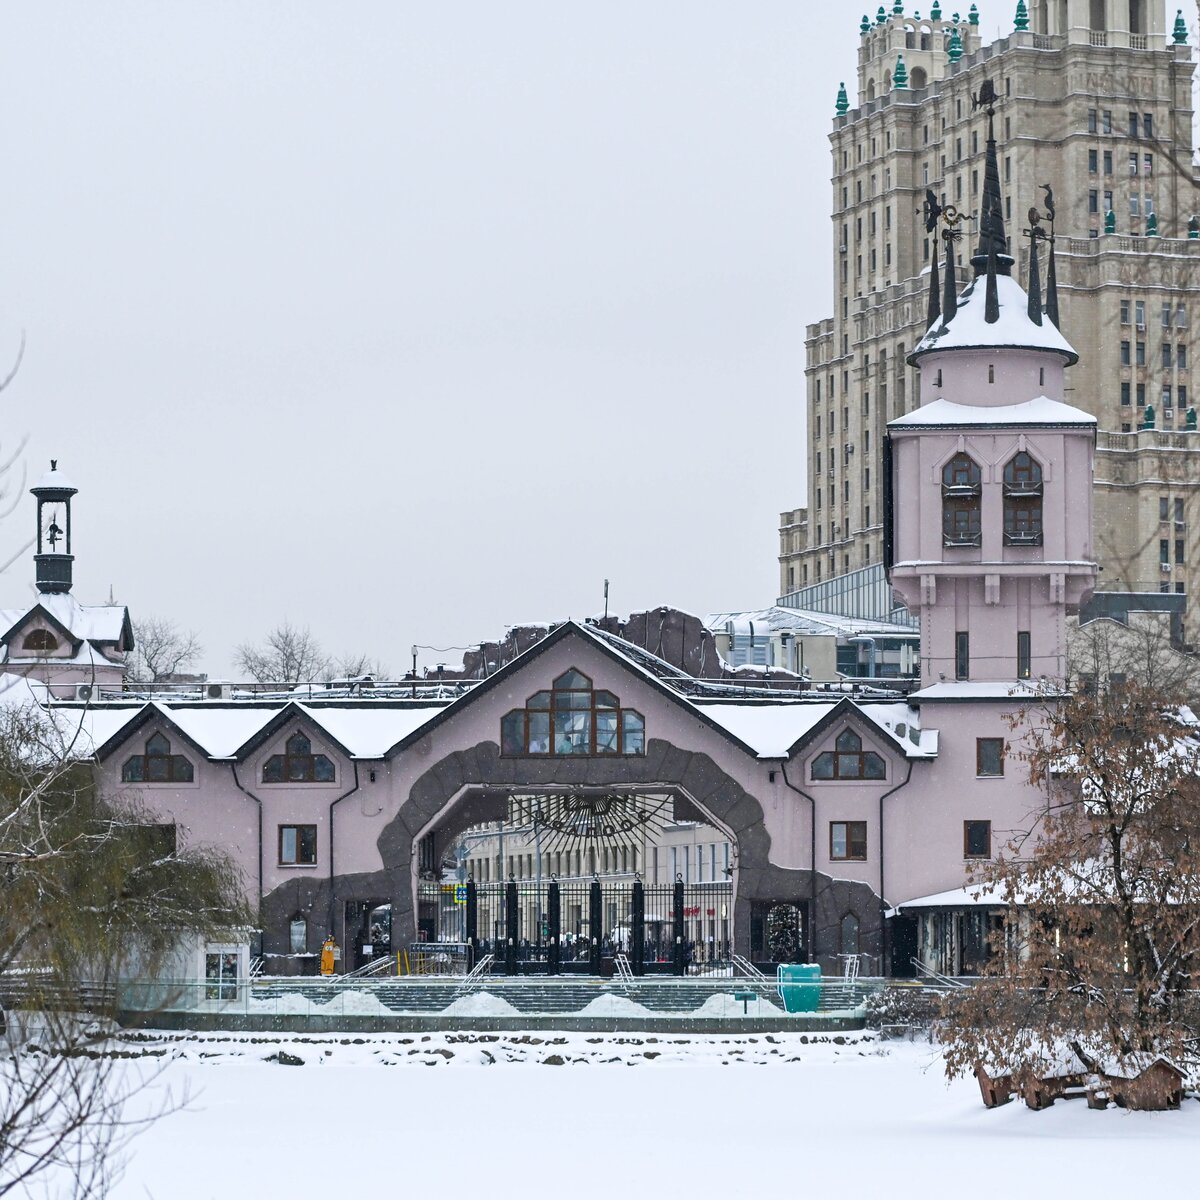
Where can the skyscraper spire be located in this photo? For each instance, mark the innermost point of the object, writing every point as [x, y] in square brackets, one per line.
[991, 208]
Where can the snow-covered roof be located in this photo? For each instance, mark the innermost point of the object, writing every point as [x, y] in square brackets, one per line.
[771, 730]
[1039, 411]
[967, 329]
[54, 479]
[93, 623]
[804, 621]
[982, 689]
[370, 732]
[970, 896]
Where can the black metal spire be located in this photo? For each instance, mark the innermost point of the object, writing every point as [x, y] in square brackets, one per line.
[991, 300]
[1035, 280]
[991, 208]
[1051, 270]
[933, 210]
[950, 292]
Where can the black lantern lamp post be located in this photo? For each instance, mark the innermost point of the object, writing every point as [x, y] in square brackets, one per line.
[54, 557]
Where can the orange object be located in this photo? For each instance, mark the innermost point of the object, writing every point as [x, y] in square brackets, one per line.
[327, 956]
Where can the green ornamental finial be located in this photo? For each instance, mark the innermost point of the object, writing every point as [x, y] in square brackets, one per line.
[1148, 418]
[1191, 420]
[935, 13]
[954, 51]
[1110, 222]
[956, 19]
[898, 8]
[881, 16]
[865, 27]
[900, 77]
[843, 101]
[973, 15]
[1021, 21]
[1152, 225]
[1180, 28]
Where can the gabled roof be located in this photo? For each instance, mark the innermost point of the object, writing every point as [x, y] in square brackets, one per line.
[104, 624]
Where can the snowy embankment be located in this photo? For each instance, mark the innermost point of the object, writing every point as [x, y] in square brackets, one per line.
[729, 1116]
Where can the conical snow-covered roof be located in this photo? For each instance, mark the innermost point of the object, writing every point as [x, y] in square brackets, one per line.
[968, 328]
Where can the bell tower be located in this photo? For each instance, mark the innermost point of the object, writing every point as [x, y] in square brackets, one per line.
[53, 558]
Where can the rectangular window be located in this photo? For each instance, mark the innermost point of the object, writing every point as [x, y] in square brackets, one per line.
[1166, 395]
[1125, 349]
[1126, 396]
[989, 756]
[1140, 395]
[1139, 314]
[1166, 316]
[962, 655]
[1092, 120]
[1181, 395]
[1179, 552]
[1164, 508]
[848, 841]
[1106, 121]
[1148, 165]
[297, 845]
[1166, 356]
[1108, 162]
[1164, 551]
[1134, 125]
[1108, 202]
[1181, 356]
[1125, 311]
[1093, 201]
[1148, 125]
[1178, 512]
[1023, 655]
[1135, 205]
[1140, 357]
[1093, 162]
[1134, 159]
[977, 839]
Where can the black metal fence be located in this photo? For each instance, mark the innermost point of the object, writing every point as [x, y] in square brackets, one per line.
[581, 926]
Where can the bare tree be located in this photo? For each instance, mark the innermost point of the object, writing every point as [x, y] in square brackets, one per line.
[93, 891]
[355, 666]
[1101, 941]
[287, 655]
[161, 649]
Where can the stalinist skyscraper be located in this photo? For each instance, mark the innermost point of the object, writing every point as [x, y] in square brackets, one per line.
[1094, 99]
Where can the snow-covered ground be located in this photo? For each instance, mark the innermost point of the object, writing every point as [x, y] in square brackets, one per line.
[584, 1115]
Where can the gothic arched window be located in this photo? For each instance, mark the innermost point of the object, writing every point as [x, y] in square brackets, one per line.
[848, 760]
[157, 764]
[962, 506]
[40, 641]
[573, 718]
[298, 764]
[1022, 501]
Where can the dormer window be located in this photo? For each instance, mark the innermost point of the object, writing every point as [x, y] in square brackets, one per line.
[298, 764]
[1022, 501]
[848, 760]
[157, 764]
[40, 641]
[573, 718]
[962, 519]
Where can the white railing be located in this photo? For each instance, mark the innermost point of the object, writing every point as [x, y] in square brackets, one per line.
[748, 969]
[474, 978]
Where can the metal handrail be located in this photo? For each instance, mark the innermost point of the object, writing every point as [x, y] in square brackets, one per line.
[375, 967]
[624, 971]
[748, 969]
[927, 972]
[474, 977]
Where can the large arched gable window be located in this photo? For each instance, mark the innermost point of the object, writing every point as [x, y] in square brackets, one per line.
[40, 641]
[848, 760]
[962, 508]
[157, 764]
[573, 718]
[1022, 501]
[298, 764]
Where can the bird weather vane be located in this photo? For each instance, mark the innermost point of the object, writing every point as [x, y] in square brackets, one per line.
[1036, 219]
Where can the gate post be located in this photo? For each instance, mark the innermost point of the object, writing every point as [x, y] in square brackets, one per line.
[511, 927]
[637, 940]
[554, 923]
[680, 963]
[595, 924]
[472, 930]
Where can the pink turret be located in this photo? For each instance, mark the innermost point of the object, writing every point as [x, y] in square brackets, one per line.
[990, 482]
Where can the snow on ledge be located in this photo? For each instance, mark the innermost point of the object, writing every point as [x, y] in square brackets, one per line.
[1039, 411]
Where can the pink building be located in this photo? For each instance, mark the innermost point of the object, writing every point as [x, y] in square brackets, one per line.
[854, 820]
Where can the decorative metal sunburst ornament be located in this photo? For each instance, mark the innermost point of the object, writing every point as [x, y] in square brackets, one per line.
[591, 818]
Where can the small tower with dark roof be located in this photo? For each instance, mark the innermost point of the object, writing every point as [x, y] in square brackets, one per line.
[54, 558]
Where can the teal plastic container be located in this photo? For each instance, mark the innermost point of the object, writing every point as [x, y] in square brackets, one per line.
[799, 986]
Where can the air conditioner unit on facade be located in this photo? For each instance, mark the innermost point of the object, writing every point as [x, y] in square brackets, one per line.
[1165, 568]
[84, 691]
[217, 690]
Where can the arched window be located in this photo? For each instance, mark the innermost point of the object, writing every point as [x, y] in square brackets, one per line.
[962, 509]
[573, 718]
[848, 934]
[157, 764]
[1022, 501]
[40, 641]
[298, 764]
[917, 79]
[848, 760]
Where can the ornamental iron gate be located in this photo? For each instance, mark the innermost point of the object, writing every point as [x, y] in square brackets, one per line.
[580, 926]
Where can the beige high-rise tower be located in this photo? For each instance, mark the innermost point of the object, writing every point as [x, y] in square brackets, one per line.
[1095, 99]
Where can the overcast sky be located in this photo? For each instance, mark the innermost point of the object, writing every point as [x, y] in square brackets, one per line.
[409, 321]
